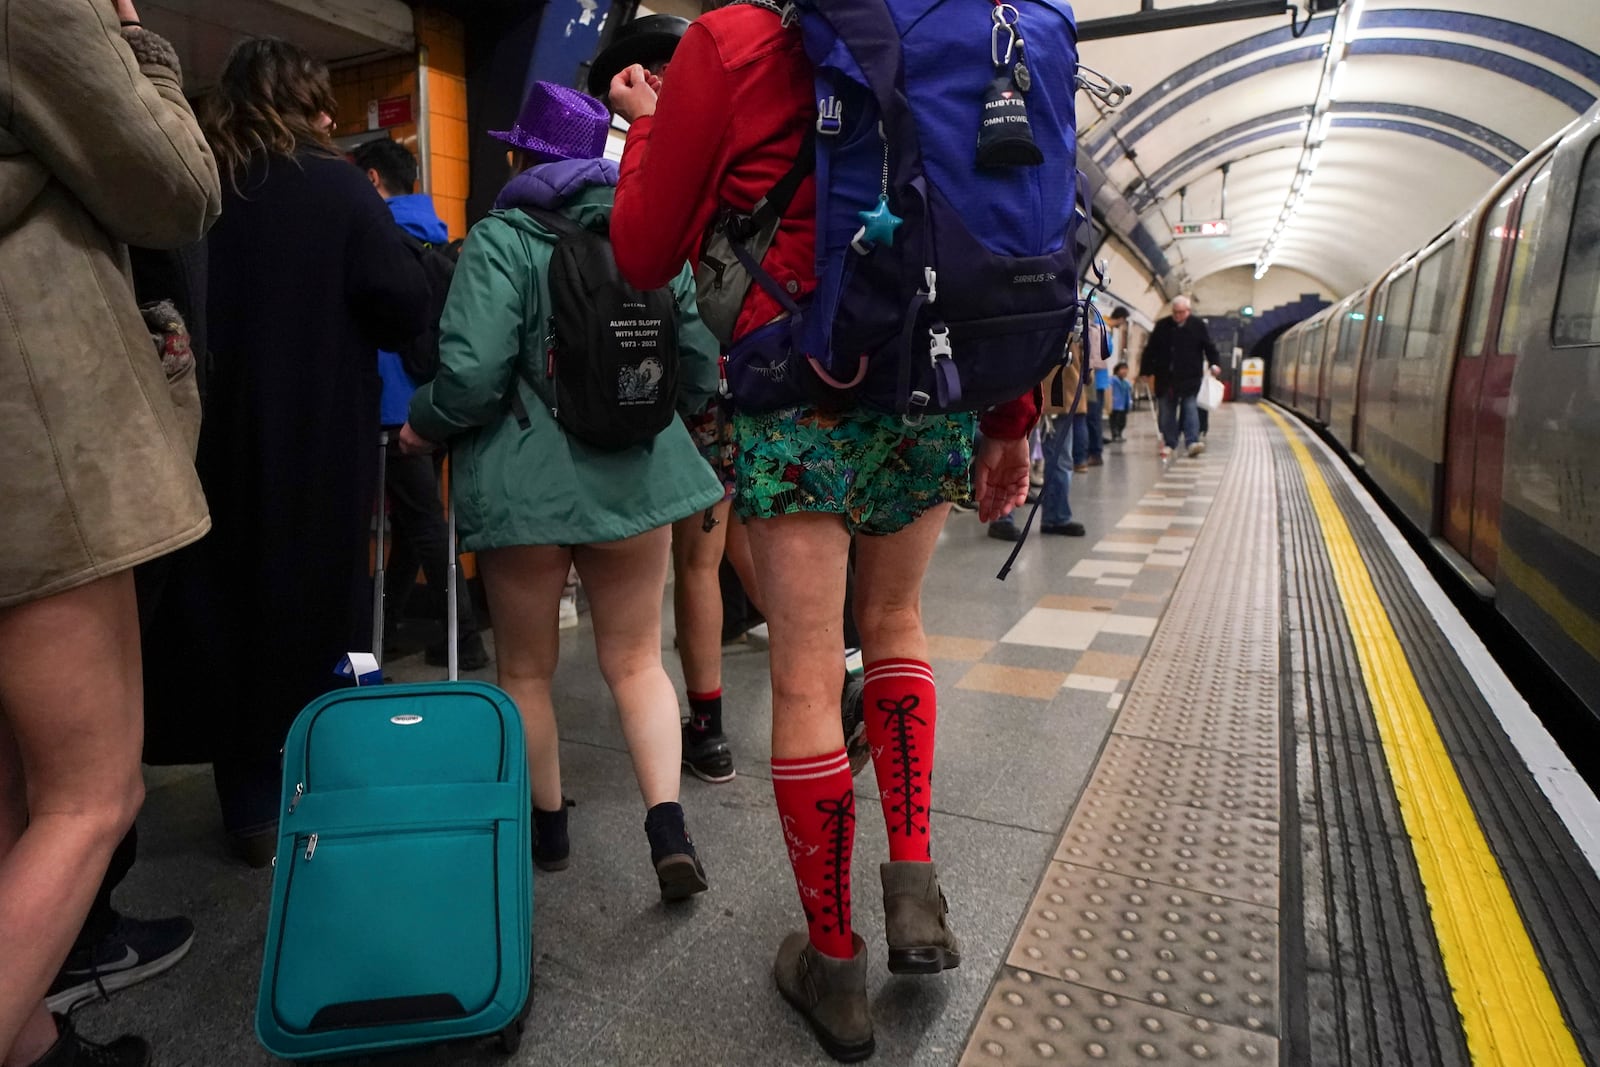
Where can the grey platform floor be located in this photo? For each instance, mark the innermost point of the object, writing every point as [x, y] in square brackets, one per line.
[620, 979]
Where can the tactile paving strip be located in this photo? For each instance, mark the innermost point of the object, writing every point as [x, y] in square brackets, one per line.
[1190, 775]
[1154, 935]
[1190, 848]
[1188, 951]
[1053, 1022]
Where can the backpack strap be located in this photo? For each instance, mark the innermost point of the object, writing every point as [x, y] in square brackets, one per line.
[769, 209]
[561, 226]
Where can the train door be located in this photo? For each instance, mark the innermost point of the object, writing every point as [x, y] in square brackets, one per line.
[1330, 350]
[1498, 358]
[1487, 295]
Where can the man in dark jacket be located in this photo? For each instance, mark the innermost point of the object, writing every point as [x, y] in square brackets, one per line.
[1177, 358]
[412, 482]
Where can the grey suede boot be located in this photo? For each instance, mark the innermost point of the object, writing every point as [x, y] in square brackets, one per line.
[916, 920]
[830, 993]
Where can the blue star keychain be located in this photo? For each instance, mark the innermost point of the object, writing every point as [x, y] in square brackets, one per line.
[878, 227]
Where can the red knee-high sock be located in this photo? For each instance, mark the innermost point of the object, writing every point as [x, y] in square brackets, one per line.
[901, 709]
[817, 806]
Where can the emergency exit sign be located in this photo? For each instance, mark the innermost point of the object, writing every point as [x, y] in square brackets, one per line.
[1212, 228]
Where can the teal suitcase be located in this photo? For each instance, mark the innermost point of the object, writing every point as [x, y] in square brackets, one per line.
[402, 895]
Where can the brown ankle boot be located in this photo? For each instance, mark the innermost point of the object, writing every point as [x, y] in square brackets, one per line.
[916, 920]
[830, 993]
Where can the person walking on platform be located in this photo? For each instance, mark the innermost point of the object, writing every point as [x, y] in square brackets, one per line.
[102, 151]
[411, 483]
[699, 542]
[531, 497]
[308, 277]
[731, 126]
[1121, 401]
[1175, 359]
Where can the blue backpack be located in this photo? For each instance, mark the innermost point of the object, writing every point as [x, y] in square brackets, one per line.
[950, 213]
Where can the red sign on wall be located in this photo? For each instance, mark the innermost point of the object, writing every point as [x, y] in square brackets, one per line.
[396, 111]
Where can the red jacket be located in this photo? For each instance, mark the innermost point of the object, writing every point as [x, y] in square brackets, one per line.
[724, 133]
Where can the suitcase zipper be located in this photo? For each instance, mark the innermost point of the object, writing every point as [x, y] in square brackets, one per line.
[299, 791]
[311, 846]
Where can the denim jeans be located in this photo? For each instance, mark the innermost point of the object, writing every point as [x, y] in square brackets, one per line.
[1095, 431]
[1174, 409]
[1079, 442]
[1054, 506]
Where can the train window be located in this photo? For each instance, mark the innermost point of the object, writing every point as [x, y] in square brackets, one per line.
[1434, 280]
[1350, 324]
[1517, 295]
[1577, 319]
[1494, 241]
[1396, 316]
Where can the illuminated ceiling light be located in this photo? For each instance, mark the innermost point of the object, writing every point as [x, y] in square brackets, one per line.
[1313, 157]
[1352, 17]
[1337, 82]
[1325, 127]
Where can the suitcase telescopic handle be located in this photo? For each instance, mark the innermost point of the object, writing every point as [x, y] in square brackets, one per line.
[452, 580]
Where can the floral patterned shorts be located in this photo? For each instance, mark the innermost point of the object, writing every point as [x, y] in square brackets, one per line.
[712, 431]
[868, 467]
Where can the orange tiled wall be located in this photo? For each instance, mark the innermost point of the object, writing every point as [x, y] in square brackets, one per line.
[355, 87]
[442, 36]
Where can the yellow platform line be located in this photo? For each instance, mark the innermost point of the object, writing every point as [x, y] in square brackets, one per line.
[1507, 1006]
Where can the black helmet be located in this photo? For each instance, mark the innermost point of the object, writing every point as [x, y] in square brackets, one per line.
[649, 40]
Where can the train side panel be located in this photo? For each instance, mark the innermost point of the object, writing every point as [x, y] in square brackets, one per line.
[1549, 529]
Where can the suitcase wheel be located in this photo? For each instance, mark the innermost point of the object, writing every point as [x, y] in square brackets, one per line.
[511, 1038]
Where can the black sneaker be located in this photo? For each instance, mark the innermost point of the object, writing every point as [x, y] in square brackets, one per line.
[707, 756]
[1066, 529]
[136, 949]
[1005, 531]
[470, 653]
[672, 851]
[70, 1050]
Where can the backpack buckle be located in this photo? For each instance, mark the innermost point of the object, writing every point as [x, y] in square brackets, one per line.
[915, 408]
[830, 116]
[930, 284]
[939, 345]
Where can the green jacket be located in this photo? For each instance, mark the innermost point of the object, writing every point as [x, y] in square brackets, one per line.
[538, 486]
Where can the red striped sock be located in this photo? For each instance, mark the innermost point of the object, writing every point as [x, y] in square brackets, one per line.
[817, 806]
[902, 707]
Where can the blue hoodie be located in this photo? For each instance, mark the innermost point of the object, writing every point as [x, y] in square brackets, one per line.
[416, 216]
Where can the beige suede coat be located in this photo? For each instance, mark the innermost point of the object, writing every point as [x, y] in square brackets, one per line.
[98, 149]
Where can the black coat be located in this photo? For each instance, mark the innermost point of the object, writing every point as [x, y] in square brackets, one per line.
[308, 277]
[1177, 356]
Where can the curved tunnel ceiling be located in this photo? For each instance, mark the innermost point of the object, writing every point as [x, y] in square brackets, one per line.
[1435, 103]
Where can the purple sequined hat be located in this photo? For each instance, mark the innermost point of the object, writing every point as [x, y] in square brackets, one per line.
[559, 123]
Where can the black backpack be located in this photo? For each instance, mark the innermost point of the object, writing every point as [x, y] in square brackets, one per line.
[612, 351]
[420, 358]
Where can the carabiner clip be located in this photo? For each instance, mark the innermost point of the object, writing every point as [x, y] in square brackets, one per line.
[1003, 26]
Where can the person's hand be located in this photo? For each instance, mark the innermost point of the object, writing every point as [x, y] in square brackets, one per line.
[632, 95]
[413, 443]
[1001, 482]
[125, 11]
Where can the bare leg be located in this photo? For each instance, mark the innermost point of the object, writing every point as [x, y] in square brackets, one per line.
[800, 566]
[71, 690]
[743, 563]
[625, 581]
[888, 595]
[524, 585]
[697, 598]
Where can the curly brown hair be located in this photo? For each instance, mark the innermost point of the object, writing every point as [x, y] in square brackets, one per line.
[267, 102]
